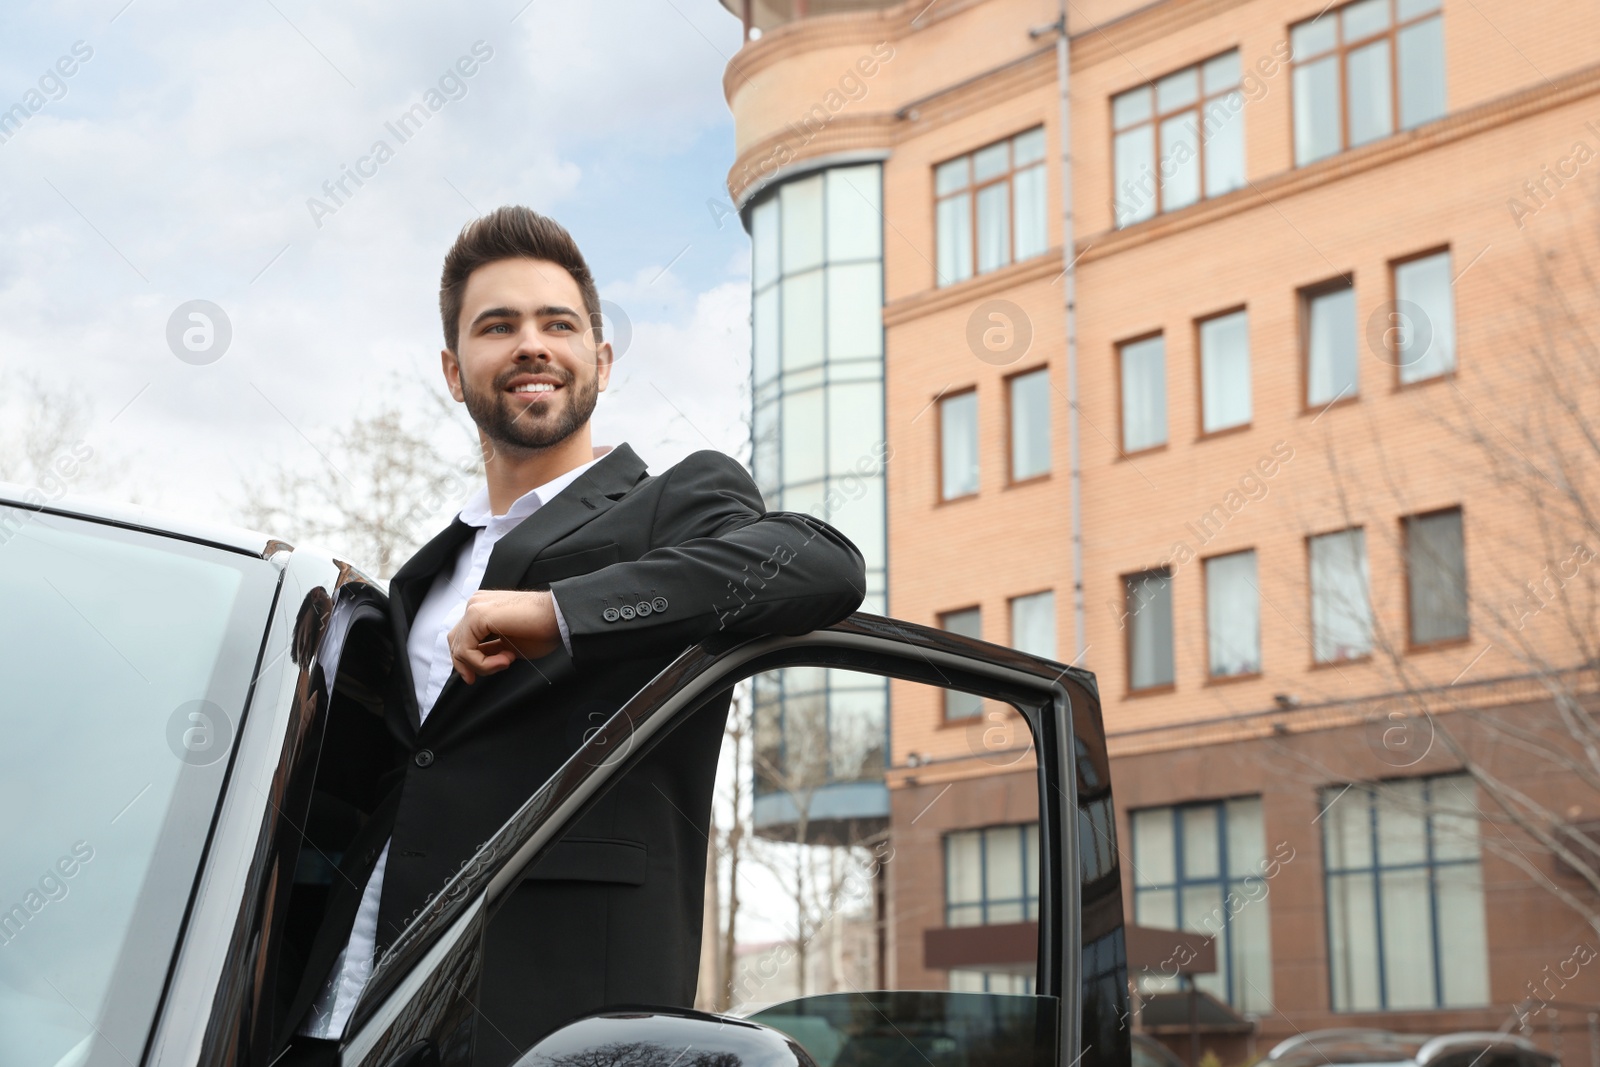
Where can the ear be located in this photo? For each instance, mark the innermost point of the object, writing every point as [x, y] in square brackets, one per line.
[452, 373]
[602, 364]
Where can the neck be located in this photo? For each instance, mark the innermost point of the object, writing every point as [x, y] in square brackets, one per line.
[512, 472]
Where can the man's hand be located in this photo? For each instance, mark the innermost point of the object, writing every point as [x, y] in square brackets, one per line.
[498, 626]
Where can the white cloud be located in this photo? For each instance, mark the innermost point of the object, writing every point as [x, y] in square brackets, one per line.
[185, 152]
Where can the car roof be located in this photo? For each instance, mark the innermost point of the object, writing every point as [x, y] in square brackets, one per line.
[1475, 1039]
[1364, 1045]
[119, 513]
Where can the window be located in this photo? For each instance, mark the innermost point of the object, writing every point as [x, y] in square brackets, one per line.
[1405, 895]
[958, 445]
[1328, 316]
[1202, 868]
[992, 875]
[1033, 624]
[1233, 615]
[967, 622]
[1423, 329]
[965, 981]
[1192, 122]
[1224, 372]
[1341, 616]
[1363, 71]
[1028, 397]
[1144, 393]
[1436, 577]
[990, 207]
[817, 431]
[1149, 627]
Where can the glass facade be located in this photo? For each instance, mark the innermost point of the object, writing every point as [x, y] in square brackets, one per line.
[819, 447]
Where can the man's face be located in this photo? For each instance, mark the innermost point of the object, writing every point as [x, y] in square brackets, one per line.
[526, 363]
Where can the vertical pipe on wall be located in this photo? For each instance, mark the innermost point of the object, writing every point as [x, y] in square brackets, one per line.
[1069, 287]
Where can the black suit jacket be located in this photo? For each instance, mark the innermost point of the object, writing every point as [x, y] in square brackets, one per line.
[642, 567]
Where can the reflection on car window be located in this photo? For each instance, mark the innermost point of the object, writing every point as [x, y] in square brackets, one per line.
[125, 659]
[916, 1028]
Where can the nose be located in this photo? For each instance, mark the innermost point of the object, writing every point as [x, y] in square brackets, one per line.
[531, 344]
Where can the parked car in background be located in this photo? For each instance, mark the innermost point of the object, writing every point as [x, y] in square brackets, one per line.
[1384, 1048]
[175, 699]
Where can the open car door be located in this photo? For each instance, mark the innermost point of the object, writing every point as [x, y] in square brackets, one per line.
[1072, 1008]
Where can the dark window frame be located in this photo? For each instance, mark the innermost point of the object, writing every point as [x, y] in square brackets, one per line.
[1204, 434]
[1304, 297]
[1205, 601]
[1393, 266]
[1221, 880]
[1376, 868]
[945, 718]
[1311, 606]
[1122, 427]
[1028, 901]
[1157, 117]
[938, 444]
[1009, 381]
[1412, 644]
[1340, 51]
[970, 192]
[1132, 690]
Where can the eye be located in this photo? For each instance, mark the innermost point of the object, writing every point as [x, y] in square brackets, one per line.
[564, 323]
[497, 326]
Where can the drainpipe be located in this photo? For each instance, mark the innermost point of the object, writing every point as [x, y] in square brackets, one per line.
[1069, 294]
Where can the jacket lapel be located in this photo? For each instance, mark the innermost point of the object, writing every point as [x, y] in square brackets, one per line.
[586, 498]
[406, 590]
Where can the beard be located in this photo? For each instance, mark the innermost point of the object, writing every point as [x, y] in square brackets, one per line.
[528, 429]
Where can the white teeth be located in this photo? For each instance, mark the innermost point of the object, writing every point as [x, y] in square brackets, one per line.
[534, 387]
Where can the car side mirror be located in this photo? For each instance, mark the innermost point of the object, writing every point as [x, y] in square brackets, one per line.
[665, 1037]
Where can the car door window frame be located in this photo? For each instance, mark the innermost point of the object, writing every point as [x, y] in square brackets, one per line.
[450, 926]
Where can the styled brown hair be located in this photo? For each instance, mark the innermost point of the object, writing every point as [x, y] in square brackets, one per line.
[511, 232]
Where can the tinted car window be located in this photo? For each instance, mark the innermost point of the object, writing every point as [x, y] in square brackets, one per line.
[125, 660]
[913, 1028]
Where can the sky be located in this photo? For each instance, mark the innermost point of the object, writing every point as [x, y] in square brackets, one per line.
[184, 158]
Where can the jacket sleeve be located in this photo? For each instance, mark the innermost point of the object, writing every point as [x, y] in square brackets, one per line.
[721, 562]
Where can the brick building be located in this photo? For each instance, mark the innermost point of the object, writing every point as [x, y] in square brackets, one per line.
[1331, 272]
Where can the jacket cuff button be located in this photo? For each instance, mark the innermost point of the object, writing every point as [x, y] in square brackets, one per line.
[642, 608]
[610, 615]
[659, 603]
[626, 611]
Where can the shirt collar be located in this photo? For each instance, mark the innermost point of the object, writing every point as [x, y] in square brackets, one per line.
[475, 512]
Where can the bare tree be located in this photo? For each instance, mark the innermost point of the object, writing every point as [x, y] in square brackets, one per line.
[44, 441]
[1529, 737]
[376, 490]
[733, 839]
[821, 867]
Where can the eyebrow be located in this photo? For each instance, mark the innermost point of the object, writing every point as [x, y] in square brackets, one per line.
[546, 311]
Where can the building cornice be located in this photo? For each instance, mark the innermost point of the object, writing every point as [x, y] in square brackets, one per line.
[834, 30]
[1375, 711]
[884, 129]
[981, 287]
[760, 164]
[974, 95]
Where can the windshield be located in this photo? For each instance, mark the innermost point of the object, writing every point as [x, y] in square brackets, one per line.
[125, 660]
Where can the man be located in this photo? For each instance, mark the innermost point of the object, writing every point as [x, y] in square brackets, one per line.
[561, 588]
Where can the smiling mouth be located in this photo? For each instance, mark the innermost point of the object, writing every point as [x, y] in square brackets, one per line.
[534, 389]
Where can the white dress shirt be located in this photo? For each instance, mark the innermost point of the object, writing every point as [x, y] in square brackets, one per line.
[428, 650]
